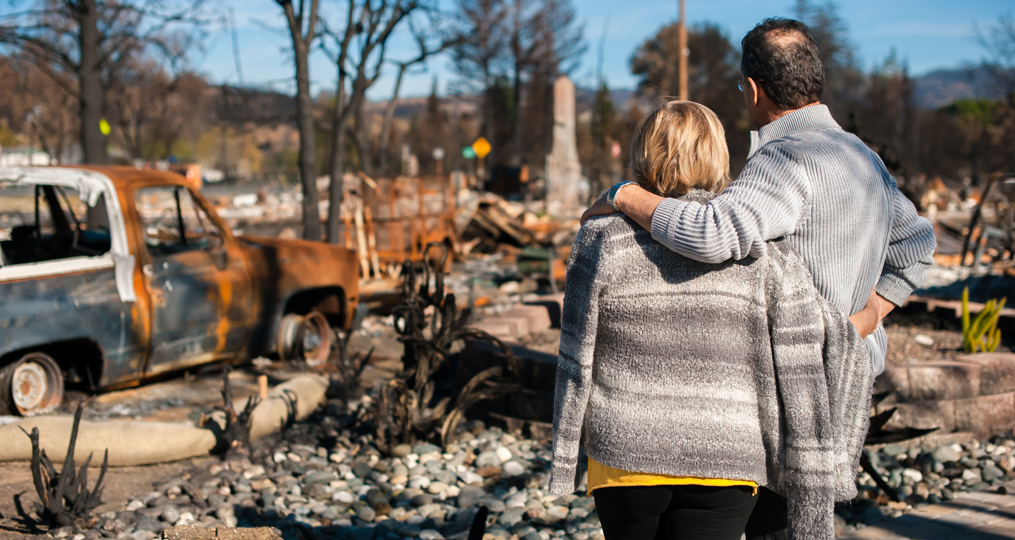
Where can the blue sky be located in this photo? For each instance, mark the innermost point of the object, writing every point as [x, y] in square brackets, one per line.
[928, 34]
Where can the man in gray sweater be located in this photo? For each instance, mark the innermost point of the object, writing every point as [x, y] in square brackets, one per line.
[807, 180]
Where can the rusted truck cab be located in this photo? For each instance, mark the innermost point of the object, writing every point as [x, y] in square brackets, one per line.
[110, 276]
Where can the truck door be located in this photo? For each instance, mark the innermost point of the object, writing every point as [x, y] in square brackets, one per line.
[197, 279]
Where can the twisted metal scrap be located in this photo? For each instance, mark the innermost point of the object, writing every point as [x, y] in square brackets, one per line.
[406, 411]
[65, 497]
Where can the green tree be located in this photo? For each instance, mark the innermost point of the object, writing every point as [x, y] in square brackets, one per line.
[712, 73]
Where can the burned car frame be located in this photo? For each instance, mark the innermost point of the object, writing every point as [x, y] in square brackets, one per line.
[140, 278]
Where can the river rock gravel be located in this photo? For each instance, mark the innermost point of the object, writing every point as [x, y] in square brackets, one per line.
[322, 480]
[927, 475]
[325, 479]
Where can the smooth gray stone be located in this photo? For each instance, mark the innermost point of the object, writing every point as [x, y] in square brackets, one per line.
[425, 448]
[511, 517]
[492, 504]
[992, 472]
[446, 477]
[319, 477]
[470, 495]
[149, 524]
[487, 459]
[893, 450]
[366, 513]
[586, 503]
[318, 491]
[170, 514]
[361, 469]
[422, 499]
[408, 493]
[945, 453]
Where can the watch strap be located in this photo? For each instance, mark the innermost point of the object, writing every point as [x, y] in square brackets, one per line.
[611, 195]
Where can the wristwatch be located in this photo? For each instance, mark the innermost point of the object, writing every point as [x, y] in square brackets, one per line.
[611, 195]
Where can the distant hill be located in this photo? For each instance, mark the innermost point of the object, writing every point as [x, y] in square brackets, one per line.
[932, 91]
[942, 87]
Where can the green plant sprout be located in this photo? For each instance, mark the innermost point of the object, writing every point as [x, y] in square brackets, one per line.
[982, 333]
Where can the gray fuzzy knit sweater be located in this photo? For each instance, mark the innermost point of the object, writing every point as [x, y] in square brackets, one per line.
[739, 370]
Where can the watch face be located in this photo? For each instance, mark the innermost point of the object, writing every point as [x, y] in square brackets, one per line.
[611, 197]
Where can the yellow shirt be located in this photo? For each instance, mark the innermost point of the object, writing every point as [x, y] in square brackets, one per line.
[602, 476]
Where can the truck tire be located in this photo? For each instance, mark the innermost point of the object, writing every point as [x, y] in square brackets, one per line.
[30, 385]
[305, 337]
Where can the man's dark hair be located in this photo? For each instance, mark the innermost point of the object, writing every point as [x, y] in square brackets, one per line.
[782, 57]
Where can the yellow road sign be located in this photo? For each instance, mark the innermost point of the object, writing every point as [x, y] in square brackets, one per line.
[481, 147]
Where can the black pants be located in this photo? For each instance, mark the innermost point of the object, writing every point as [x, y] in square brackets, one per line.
[674, 512]
[768, 521]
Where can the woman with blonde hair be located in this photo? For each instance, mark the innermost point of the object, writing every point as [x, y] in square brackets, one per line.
[688, 385]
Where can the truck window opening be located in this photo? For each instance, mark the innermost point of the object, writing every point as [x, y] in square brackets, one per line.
[173, 222]
[40, 223]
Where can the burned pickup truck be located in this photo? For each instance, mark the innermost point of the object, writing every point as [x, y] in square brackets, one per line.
[110, 276]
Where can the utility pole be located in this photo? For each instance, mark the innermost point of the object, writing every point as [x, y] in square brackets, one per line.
[682, 39]
[236, 48]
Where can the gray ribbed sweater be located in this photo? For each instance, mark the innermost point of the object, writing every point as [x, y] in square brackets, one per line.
[673, 366]
[831, 197]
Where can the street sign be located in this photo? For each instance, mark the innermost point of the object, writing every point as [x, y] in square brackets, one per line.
[482, 147]
[468, 153]
[438, 153]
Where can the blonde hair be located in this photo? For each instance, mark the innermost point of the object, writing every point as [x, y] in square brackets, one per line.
[679, 146]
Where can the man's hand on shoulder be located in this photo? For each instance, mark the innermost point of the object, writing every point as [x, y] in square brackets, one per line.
[598, 208]
[632, 200]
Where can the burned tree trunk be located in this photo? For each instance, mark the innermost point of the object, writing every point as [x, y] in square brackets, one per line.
[305, 110]
[91, 92]
[308, 149]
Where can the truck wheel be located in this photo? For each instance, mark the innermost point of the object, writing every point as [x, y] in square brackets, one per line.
[307, 337]
[31, 385]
